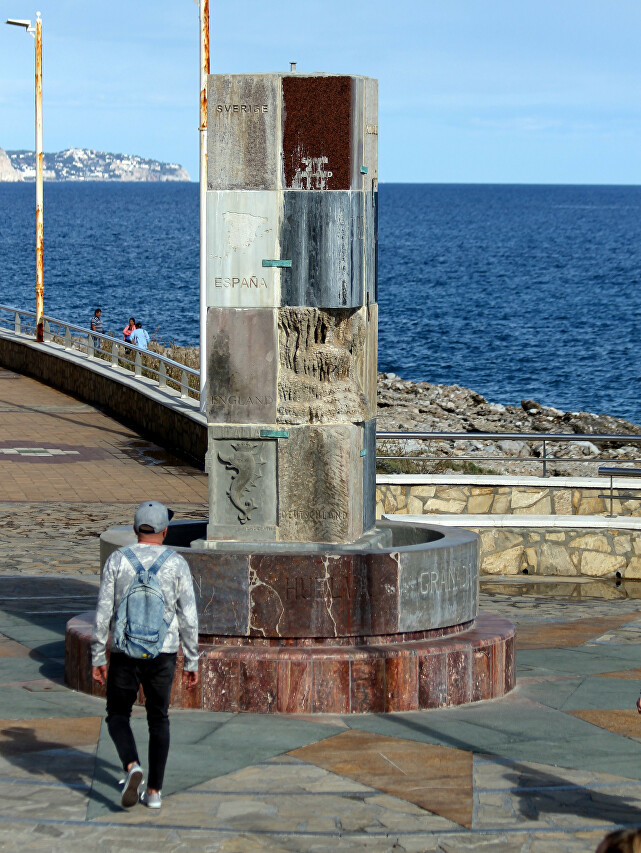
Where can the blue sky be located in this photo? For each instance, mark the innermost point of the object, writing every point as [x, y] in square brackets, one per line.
[496, 91]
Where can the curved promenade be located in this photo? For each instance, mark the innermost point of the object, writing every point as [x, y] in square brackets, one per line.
[553, 766]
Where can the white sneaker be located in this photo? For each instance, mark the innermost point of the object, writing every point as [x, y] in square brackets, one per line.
[152, 801]
[130, 785]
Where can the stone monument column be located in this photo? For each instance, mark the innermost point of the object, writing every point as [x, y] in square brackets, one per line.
[292, 312]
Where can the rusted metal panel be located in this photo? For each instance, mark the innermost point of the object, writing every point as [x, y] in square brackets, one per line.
[243, 132]
[317, 132]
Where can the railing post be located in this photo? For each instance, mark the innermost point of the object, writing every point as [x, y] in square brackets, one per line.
[138, 364]
[16, 323]
[162, 375]
[184, 384]
[114, 353]
[545, 459]
[611, 496]
[67, 337]
[89, 346]
[47, 331]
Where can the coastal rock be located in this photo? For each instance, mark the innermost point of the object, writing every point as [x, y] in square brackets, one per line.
[7, 173]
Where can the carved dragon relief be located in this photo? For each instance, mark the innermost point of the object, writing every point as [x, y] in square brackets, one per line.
[245, 459]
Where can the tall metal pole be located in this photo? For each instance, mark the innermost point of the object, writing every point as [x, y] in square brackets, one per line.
[40, 288]
[204, 71]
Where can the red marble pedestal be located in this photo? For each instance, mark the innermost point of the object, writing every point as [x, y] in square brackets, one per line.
[376, 675]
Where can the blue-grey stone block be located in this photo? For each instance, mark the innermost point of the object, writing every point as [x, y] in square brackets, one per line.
[328, 237]
[439, 586]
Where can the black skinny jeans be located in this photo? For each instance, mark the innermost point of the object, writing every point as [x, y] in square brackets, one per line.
[124, 677]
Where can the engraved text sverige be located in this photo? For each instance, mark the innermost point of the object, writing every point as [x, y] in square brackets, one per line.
[241, 108]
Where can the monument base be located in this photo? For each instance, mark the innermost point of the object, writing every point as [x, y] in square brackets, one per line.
[380, 675]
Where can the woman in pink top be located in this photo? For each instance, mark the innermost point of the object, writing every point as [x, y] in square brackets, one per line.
[131, 325]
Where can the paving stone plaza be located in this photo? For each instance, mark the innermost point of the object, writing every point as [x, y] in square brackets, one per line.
[551, 767]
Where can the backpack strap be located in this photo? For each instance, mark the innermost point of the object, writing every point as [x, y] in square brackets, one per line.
[160, 561]
[138, 566]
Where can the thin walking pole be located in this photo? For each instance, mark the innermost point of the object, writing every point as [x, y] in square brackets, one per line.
[204, 72]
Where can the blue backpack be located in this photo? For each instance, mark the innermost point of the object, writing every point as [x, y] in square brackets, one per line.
[140, 626]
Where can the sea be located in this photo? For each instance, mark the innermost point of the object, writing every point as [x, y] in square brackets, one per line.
[519, 292]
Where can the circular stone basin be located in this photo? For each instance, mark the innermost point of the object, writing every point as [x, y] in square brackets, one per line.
[385, 624]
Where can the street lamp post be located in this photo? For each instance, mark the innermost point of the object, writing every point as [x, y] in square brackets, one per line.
[36, 32]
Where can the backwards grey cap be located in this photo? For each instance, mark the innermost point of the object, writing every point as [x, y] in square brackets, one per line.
[152, 514]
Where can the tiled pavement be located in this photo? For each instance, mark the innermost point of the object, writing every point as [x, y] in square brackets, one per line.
[552, 767]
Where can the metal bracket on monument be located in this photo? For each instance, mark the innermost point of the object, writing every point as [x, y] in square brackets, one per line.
[274, 433]
[276, 263]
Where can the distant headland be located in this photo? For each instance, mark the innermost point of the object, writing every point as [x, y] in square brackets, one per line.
[85, 164]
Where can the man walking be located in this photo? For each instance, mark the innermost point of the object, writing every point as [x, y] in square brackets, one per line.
[166, 578]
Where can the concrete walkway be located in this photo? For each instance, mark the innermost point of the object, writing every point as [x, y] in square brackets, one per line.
[552, 767]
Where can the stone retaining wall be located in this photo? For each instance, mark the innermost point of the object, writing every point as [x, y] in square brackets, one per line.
[160, 421]
[496, 499]
[565, 552]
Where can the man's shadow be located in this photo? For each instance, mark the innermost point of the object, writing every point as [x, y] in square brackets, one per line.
[70, 766]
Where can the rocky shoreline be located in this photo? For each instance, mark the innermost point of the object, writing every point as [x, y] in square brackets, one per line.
[407, 406]
[423, 407]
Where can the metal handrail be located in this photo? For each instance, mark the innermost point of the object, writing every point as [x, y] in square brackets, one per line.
[544, 438]
[85, 341]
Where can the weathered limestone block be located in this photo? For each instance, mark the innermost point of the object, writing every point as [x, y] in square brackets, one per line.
[591, 542]
[327, 365]
[507, 538]
[589, 505]
[500, 504]
[555, 537]
[448, 493]
[435, 505]
[243, 365]
[555, 560]
[633, 569]
[479, 504]
[424, 491]
[541, 507]
[414, 505]
[482, 490]
[320, 484]
[527, 499]
[488, 541]
[503, 562]
[532, 558]
[563, 502]
[244, 136]
[304, 484]
[597, 564]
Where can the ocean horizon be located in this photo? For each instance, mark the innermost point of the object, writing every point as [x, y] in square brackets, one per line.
[519, 291]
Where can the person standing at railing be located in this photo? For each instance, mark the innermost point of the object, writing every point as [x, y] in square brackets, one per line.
[128, 330]
[139, 337]
[96, 326]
